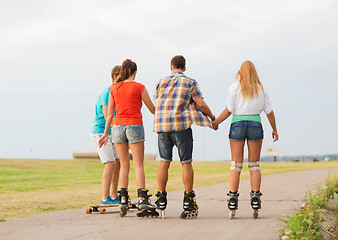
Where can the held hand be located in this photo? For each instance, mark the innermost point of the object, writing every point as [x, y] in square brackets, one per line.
[103, 141]
[214, 125]
[275, 136]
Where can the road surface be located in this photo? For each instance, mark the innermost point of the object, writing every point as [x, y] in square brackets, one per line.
[281, 194]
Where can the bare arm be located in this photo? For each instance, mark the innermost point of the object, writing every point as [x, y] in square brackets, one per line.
[204, 107]
[272, 120]
[105, 111]
[224, 115]
[111, 107]
[147, 101]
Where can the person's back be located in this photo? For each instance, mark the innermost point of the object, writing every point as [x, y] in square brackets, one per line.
[128, 132]
[99, 120]
[128, 102]
[172, 98]
[240, 105]
[174, 115]
[108, 154]
[247, 99]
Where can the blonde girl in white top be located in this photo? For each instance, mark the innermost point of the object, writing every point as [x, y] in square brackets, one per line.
[247, 99]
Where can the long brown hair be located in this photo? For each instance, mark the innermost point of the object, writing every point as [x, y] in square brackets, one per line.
[115, 72]
[249, 81]
[128, 68]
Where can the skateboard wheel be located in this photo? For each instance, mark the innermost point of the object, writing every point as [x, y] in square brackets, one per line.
[102, 210]
[89, 210]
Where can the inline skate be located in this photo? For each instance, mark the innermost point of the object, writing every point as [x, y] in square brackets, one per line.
[232, 203]
[123, 201]
[144, 205]
[255, 202]
[161, 202]
[190, 207]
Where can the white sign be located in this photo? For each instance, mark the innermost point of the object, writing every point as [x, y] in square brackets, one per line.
[272, 152]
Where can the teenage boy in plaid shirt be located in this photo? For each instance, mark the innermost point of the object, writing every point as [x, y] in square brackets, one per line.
[179, 103]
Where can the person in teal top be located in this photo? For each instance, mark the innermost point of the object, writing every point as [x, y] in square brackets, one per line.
[107, 153]
[99, 118]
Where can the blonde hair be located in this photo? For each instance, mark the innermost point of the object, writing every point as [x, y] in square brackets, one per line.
[249, 81]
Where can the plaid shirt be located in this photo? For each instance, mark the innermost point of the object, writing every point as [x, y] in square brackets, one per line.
[175, 108]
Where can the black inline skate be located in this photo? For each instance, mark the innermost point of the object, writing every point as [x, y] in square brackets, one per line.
[255, 202]
[123, 201]
[161, 202]
[147, 209]
[232, 203]
[190, 207]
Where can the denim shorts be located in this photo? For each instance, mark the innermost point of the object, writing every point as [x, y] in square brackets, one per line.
[246, 130]
[128, 134]
[182, 140]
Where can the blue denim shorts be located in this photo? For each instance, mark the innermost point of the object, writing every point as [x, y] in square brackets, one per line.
[246, 130]
[128, 134]
[182, 140]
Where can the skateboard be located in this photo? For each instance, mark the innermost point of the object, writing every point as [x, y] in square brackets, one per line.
[101, 208]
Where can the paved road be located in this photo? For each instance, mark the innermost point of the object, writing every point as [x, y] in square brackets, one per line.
[281, 194]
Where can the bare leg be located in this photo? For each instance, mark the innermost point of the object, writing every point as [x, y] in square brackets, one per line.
[106, 178]
[162, 175]
[188, 176]
[254, 153]
[138, 158]
[115, 179]
[237, 152]
[123, 152]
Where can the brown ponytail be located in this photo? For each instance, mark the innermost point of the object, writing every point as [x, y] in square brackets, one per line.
[128, 68]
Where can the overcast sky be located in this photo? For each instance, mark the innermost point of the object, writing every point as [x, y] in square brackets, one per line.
[56, 57]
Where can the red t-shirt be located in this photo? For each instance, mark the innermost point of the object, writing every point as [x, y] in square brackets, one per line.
[128, 102]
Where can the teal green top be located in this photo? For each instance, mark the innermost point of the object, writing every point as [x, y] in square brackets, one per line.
[254, 118]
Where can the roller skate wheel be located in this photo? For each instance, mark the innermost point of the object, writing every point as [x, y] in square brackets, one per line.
[183, 215]
[232, 214]
[123, 213]
[89, 210]
[162, 214]
[255, 214]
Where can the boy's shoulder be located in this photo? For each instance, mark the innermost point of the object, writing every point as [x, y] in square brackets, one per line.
[180, 76]
[105, 91]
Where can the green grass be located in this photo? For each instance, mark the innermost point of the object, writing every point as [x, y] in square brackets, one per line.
[30, 187]
[308, 222]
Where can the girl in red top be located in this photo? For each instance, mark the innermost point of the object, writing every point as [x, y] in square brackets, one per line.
[127, 95]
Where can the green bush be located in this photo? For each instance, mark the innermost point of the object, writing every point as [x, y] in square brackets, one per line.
[305, 224]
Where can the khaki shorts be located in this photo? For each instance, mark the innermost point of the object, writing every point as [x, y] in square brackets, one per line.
[107, 153]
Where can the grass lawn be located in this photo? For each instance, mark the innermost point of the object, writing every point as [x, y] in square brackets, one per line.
[29, 187]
